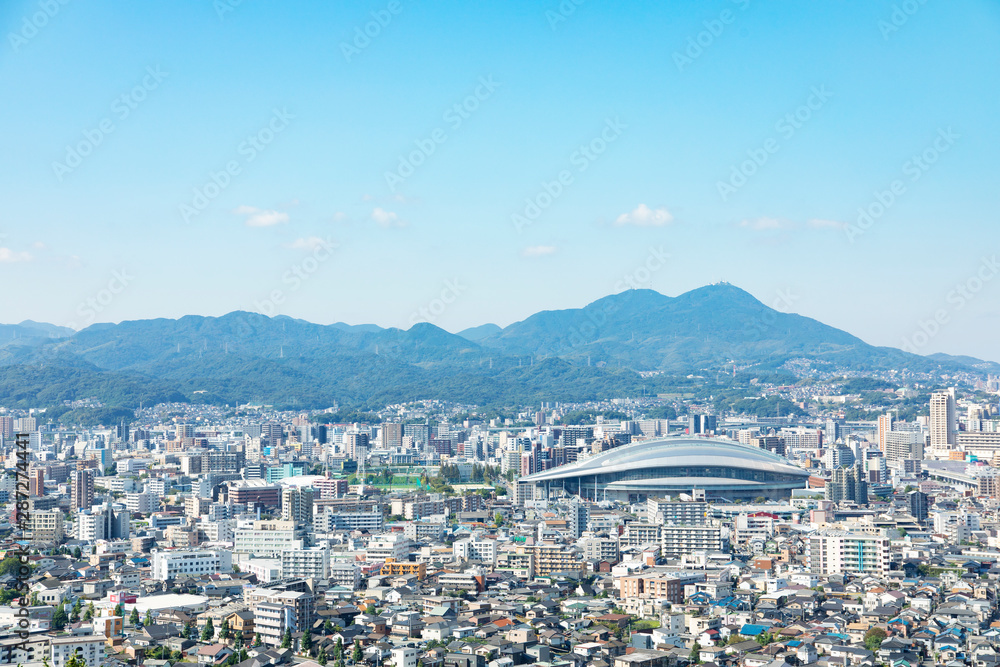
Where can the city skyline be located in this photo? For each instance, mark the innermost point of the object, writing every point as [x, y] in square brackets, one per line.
[500, 151]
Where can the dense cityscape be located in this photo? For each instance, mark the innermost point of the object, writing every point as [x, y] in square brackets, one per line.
[533, 333]
[627, 532]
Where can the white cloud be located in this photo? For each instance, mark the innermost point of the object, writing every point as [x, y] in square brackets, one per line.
[8, 256]
[384, 218]
[818, 223]
[763, 224]
[258, 217]
[538, 250]
[643, 216]
[310, 243]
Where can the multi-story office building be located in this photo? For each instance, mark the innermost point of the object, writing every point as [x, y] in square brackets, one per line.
[840, 552]
[392, 435]
[193, 562]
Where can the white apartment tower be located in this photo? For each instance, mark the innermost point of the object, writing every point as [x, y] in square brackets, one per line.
[942, 423]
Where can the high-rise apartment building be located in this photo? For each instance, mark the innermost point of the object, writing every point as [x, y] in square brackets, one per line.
[942, 422]
[297, 505]
[884, 428]
[838, 552]
[81, 488]
[392, 435]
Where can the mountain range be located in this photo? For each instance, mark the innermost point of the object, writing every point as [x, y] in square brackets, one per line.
[569, 355]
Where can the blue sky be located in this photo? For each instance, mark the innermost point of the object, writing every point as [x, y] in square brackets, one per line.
[309, 225]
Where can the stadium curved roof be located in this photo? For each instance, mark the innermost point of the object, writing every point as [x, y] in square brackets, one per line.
[673, 453]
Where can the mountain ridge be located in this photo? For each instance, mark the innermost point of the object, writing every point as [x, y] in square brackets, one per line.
[574, 353]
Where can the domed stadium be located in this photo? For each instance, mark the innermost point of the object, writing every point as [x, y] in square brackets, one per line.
[724, 469]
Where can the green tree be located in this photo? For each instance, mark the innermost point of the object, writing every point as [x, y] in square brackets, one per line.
[119, 610]
[765, 638]
[286, 639]
[873, 639]
[306, 643]
[76, 660]
[498, 519]
[224, 631]
[256, 641]
[74, 615]
[694, 656]
[9, 565]
[148, 620]
[338, 649]
[357, 654]
[77, 553]
[208, 631]
[188, 631]
[133, 618]
[59, 617]
[321, 658]
[89, 614]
